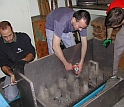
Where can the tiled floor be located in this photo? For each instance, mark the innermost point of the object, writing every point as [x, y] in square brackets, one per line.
[17, 103]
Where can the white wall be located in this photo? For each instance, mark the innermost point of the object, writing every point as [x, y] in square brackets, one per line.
[34, 10]
[17, 12]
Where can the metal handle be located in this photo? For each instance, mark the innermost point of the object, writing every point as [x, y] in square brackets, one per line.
[11, 83]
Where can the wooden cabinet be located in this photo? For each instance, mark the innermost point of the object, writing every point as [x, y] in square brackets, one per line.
[121, 62]
[38, 23]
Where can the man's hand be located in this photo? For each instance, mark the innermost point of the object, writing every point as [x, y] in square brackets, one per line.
[68, 66]
[77, 68]
[80, 66]
[107, 42]
[12, 79]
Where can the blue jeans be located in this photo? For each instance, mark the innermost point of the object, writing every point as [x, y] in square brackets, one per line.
[11, 92]
[67, 38]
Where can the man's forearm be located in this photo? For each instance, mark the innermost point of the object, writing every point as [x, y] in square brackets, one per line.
[58, 52]
[109, 32]
[29, 57]
[83, 49]
[57, 49]
[7, 70]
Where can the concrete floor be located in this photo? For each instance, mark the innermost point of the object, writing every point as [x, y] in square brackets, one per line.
[121, 102]
[17, 103]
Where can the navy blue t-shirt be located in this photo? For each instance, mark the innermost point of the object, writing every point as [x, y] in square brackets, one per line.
[59, 21]
[17, 50]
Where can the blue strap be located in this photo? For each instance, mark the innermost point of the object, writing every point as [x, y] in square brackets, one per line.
[17, 97]
[3, 102]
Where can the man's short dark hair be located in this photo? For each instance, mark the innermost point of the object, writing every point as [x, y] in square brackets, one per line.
[82, 14]
[114, 17]
[4, 24]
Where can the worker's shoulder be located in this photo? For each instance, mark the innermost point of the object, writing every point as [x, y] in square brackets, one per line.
[21, 34]
[1, 40]
[64, 8]
[2, 44]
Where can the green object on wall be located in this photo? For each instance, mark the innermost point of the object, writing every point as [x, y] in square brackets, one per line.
[39, 34]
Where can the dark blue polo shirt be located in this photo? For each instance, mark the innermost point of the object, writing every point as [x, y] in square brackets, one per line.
[17, 50]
